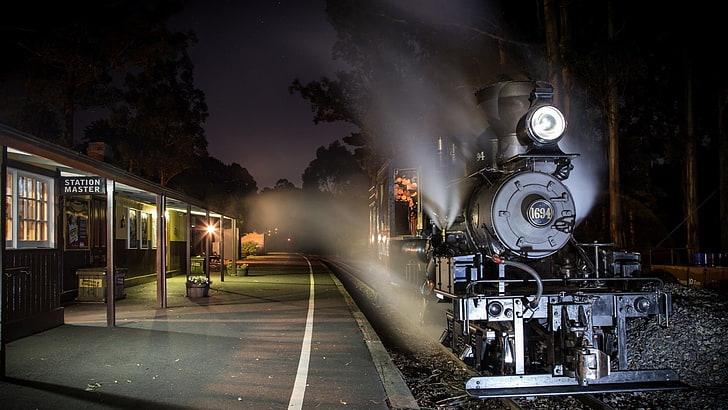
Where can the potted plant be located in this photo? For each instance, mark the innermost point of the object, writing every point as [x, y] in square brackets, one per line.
[237, 267]
[198, 286]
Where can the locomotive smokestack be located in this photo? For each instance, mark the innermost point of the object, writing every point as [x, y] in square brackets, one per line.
[504, 104]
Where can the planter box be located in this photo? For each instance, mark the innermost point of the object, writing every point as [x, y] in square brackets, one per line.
[197, 291]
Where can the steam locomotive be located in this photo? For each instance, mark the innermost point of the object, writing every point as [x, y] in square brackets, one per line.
[487, 225]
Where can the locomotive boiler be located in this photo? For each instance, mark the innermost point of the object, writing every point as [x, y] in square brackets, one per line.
[487, 226]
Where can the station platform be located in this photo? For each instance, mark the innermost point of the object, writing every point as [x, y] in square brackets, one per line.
[269, 340]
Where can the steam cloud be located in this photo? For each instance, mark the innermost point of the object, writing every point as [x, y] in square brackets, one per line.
[426, 100]
[429, 99]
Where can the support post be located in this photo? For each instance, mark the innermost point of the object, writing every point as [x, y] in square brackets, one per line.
[110, 265]
[161, 251]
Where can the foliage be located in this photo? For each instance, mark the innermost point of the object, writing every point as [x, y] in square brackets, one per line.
[249, 248]
[226, 188]
[282, 184]
[115, 58]
[336, 171]
[199, 280]
[62, 56]
[407, 84]
[161, 112]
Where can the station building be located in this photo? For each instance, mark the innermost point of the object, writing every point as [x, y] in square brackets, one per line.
[71, 218]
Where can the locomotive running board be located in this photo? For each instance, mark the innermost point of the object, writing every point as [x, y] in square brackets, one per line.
[547, 385]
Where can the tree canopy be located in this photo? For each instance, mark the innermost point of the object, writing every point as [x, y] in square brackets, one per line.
[121, 60]
[60, 57]
[161, 112]
[336, 171]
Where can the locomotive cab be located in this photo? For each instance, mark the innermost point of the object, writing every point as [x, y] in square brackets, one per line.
[397, 225]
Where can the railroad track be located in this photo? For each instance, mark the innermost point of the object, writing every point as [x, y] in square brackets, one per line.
[365, 292]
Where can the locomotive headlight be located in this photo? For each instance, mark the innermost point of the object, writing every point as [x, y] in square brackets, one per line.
[544, 125]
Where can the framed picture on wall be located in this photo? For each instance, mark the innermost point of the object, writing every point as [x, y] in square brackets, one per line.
[76, 213]
[144, 230]
[132, 223]
[154, 231]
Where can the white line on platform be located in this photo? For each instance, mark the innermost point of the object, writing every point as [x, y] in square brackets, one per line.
[299, 387]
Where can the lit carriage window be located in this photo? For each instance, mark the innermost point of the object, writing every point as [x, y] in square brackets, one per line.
[406, 207]
[29, 221]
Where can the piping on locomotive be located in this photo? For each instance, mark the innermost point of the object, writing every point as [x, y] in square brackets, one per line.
[533, 311]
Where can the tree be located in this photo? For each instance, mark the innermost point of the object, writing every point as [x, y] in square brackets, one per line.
[62, 56]
[162, 111]
[75, 55]
[341, 99]
[408, 84]
[336, 171]
[335, 187]
[281, 185]
[612, 114]
[278, 210]
[723, 163]
[225, 188]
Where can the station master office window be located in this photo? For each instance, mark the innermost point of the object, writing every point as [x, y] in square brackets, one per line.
[29, 200]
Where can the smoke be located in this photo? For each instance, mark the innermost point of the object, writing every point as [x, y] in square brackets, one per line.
[586, 181]
[414, 100]
[417, 117]
[411, 101]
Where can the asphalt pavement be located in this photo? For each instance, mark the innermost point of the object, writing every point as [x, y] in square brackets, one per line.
[239, 348]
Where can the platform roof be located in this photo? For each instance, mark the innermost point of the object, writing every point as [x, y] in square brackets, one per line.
[29, 149]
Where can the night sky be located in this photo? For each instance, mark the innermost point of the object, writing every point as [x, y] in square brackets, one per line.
[247, 56]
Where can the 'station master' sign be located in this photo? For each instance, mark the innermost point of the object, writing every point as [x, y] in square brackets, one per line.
[83, 185]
